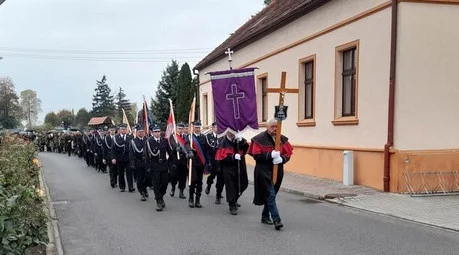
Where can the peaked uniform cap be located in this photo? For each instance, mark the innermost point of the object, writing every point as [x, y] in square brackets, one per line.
[197, 123]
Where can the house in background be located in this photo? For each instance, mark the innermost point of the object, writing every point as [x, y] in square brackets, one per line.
[338, 54]
[100, 122]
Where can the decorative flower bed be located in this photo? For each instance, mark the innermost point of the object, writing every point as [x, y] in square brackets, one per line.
[22, 219]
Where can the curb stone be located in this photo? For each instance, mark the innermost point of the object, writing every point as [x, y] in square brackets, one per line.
[299, 193]
[54, 246]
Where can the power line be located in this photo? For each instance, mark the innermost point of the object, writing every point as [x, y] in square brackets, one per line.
[71, 51]
[105, 59]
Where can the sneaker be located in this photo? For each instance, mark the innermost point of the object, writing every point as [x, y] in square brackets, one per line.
[278, 225]
[267, 221]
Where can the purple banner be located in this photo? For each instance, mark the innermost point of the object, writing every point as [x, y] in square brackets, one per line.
[235, 101]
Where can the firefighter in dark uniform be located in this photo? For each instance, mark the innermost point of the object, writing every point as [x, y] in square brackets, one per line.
[179, 167]
[99, 151]
[213, 166]
[120, 157]
[157, 164]
[107, 147]
[138, 162]
[87, 147]
[92, 146]
[197, 153]
[68, 143]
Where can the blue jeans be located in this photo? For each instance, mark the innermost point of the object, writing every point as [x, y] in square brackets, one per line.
[270, 207]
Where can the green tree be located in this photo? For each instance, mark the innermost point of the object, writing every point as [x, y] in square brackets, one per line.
[122, 103]
[10, 110]
[167, 89]
[133, 113]
[52, 119]
[31, 106]
[185, 93]
[66, 117]
[82, 118]
[103, 103]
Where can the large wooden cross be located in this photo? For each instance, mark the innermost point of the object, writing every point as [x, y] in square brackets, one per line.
[282, 91]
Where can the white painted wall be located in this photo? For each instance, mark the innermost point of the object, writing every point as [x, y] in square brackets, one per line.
[427, 87]
[374, 35]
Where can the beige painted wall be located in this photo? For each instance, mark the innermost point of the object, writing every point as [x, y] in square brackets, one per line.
[374, 35]
[427, 93]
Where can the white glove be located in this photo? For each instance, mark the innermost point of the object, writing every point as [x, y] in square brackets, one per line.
[95, 154]
[113, 161]
[238, 137]
[277, 161]
[275, 154]
[237, 156]
[104, 161]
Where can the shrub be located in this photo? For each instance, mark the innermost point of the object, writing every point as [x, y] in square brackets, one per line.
[22, 219]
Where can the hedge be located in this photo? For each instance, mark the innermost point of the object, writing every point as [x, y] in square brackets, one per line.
[23, 221]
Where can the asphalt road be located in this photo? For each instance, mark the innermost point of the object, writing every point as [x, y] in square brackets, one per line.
[96, 219]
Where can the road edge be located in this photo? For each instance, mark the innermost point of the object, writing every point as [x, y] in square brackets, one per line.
[54, 246]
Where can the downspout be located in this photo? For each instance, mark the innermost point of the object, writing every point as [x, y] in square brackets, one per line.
[391, 110]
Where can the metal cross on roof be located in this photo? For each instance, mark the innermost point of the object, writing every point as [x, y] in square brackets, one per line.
[229, 52]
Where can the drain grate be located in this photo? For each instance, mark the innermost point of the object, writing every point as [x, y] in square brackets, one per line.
[333, 196]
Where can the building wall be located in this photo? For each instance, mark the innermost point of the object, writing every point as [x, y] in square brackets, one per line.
[427, 87]
[318, 149]
[426, 134]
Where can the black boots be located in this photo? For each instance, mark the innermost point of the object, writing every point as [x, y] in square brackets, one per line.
[191, 201]
[197, 204]
[181, 195]
[172, 191]
[143, 197]
[207, 189]
[160, 205]
[218, 200]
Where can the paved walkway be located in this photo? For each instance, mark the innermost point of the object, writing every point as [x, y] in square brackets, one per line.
[440, 211]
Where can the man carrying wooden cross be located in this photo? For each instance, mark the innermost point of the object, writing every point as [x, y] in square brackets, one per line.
[262, 150]
[271, 150]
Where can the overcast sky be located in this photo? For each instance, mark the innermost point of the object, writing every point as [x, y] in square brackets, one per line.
[61, 47]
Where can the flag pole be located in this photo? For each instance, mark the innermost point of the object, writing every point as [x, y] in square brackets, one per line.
[145, 116]
[126, 121]
[230, 59]
[190, 125]
[174, 130]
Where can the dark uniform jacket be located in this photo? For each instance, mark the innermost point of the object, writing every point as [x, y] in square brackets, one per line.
[197, 155]
[120, 148]
[157, 153]
[136, 153]
[107, 147]
[181, 149]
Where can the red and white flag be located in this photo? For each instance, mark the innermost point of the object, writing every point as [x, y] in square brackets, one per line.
[170, 129]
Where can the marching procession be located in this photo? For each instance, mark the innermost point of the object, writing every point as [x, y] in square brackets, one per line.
[150, 160]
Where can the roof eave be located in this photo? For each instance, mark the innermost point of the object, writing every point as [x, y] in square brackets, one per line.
[262, 33]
